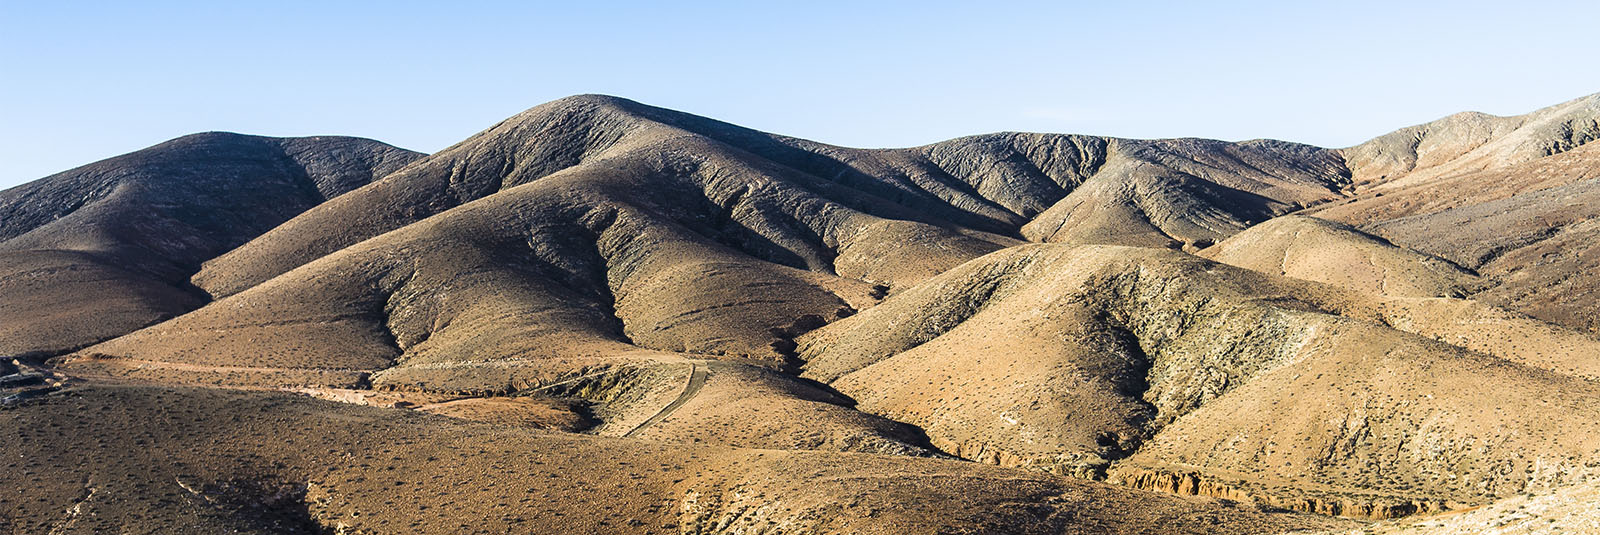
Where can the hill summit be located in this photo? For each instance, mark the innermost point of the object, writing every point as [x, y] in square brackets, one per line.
[702, 328]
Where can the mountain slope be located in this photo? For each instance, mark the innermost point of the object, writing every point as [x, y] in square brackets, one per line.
[993, 184]
[1317, 250]
[206, 461]
[1569, 510]
[599, 250]
[1471, 141]
[131, 229]
[662, 285]
[596, 206]
[1520, 219]
[1131, 363]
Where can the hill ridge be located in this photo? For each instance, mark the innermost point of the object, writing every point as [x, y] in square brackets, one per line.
[1267, 325]
[110, 246]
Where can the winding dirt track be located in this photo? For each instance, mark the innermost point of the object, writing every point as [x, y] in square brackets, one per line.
[697, 379]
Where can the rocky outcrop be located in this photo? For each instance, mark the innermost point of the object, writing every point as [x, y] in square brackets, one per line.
[1358, 506]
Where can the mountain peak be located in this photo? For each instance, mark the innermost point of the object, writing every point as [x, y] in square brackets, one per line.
[1473, 141]
[708, 326]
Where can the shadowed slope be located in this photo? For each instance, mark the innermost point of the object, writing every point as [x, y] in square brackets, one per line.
[588, 134]
[1189, 192]
[56, 301]
[680, 248]
[993, 184]
[539, 270]
[595, 231]
[600, 266]
[131, 229]
[596, 236]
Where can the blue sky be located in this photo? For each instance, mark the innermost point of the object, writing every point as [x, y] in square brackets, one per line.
[81, 81]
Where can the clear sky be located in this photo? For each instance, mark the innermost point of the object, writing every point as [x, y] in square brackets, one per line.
[81, 81]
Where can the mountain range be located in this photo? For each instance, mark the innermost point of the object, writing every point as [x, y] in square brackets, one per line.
[689, 326]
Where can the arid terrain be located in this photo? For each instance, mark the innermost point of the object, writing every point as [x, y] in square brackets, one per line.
[599, 316]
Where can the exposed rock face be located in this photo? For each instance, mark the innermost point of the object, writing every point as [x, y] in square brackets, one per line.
[1349, 506]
